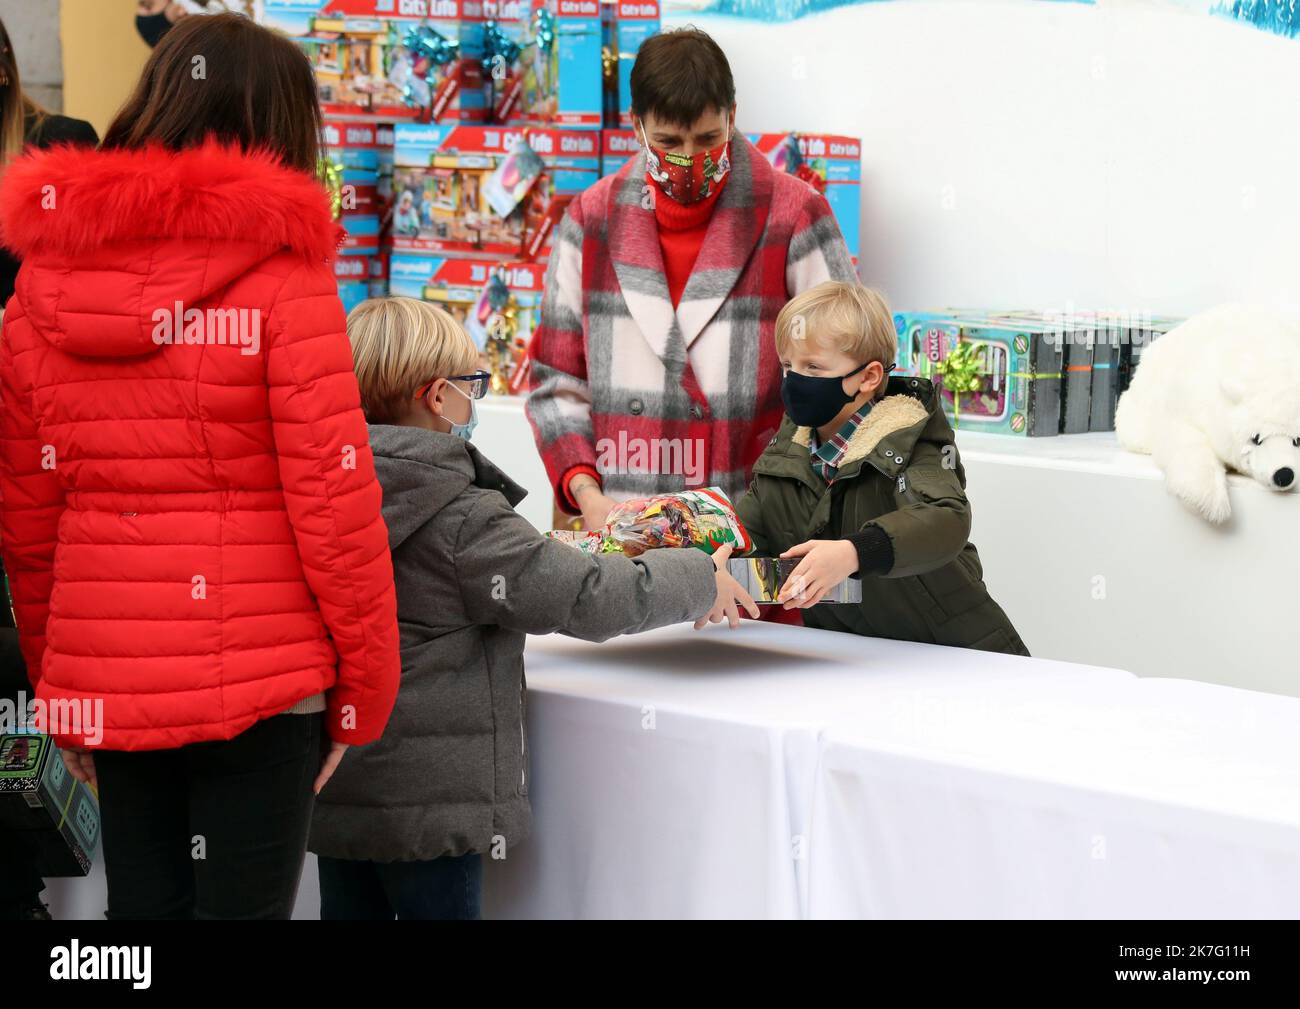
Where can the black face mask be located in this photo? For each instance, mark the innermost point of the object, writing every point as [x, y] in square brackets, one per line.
[152, 27]
[811, 401]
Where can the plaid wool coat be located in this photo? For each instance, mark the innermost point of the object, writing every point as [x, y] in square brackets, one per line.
[656, 399]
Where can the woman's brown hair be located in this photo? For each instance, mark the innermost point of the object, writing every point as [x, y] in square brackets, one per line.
[222, 76]
[15, 107]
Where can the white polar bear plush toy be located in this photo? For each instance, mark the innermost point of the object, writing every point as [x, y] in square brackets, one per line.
[1220, 392]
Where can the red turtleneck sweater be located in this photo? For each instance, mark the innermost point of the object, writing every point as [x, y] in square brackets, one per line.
[681, 233]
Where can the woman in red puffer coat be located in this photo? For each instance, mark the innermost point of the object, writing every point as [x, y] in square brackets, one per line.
[191, 522]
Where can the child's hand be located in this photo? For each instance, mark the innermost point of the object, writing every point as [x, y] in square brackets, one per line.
[825, 564]
[730, 592]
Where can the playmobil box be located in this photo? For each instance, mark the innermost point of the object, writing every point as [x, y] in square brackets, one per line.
[992, 373]
[557, 76]
[353, 276]
[487, 191]
[377, 283]
[625, 25]
[40, 798]
[499, 304]
[414, 59]
[830, 164]
[617, 148]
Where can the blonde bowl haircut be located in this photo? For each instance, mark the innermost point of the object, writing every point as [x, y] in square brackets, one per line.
[400, 344]
[850, 318]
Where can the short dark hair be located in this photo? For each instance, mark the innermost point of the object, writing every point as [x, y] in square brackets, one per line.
[256, 91]
[679, 75]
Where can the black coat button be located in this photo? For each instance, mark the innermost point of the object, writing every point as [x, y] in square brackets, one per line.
[635, 406]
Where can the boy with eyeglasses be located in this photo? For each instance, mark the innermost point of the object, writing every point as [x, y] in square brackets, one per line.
[400, 828]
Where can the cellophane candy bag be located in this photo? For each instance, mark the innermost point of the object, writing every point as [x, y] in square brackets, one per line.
[703, 518]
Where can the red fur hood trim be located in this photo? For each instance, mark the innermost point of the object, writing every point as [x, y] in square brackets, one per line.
[69, 200]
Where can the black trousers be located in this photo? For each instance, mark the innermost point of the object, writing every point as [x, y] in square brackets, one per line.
[210, 830]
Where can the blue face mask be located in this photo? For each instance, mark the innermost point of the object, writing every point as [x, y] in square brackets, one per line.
[466, 430]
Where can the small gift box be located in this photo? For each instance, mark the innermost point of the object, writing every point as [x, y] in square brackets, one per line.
[763, 578]
[39, 798]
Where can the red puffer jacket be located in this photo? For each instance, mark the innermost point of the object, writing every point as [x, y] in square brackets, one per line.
[191, 521]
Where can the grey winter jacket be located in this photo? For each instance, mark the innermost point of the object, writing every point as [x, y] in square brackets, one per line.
[450, 774]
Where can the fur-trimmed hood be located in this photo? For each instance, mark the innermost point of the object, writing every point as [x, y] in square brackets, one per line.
[172, 226]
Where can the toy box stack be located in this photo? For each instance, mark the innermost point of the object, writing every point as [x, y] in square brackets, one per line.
[553, 74]
[351, 151]
[1023, 372]
[498, 303]
[625, 24]
[40, 798]
[391, 59]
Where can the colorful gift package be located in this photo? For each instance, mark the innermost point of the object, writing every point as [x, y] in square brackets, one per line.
[38, 797]
[445, 180]
[830, 164]
[704, 519]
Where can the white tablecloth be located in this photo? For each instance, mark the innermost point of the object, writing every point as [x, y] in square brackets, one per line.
[784, 772]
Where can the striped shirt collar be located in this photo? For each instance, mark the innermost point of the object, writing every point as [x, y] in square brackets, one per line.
[827, 455]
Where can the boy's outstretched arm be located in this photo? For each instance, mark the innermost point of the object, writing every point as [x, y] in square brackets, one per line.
[512, 576]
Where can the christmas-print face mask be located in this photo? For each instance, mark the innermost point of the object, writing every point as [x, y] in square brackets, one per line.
[686, 178]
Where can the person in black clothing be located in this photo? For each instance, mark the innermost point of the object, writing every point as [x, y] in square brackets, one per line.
[23, 124]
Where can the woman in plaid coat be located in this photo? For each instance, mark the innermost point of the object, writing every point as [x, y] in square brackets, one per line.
[654, 368]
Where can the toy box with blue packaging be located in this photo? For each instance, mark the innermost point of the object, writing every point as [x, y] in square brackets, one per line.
[350, 157]
[625, 25]
[39, 798]
[353, 276]
[486, 191]
[556, 74]
[830, 164]
[992, 374]
[391, 59]
[617, 148]
[498, 303]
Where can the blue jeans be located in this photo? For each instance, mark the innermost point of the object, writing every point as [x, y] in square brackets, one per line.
[439, 889]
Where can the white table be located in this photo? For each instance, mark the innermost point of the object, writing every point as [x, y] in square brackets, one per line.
[784, 772]
[796, 773]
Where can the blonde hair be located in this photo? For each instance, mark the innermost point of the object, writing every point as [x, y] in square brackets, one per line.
[398, 345]
[850, 318]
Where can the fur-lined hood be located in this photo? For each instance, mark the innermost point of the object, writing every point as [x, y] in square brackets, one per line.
[108, 239]
[73, 200]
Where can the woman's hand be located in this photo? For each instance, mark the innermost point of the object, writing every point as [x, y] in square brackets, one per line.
[730, 592]
[80, 763]
[328, 765]
[825, 564]
[591, 500]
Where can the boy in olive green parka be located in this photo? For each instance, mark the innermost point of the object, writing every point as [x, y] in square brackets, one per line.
[864, 480]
